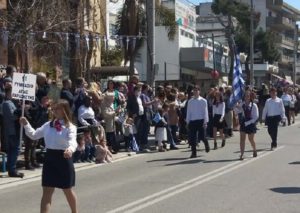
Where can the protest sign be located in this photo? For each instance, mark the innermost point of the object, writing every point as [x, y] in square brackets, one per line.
[23, 86]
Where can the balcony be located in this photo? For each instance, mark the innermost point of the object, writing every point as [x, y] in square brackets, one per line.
[286, 59]
[275, 5]
[286, 41]
[280, 23]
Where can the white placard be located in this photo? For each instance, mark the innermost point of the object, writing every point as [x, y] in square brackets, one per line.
[23, 86]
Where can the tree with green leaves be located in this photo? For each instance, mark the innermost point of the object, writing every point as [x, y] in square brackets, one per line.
[132, 21]
[241, 13]
[264, 46]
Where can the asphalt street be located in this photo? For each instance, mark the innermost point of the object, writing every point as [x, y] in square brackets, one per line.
[171, 182]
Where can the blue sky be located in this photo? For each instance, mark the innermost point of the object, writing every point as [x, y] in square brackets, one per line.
[294, 3]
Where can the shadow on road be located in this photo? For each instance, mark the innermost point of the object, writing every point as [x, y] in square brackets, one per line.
[258, 150]
[165, 159]
[294, 163]
[194, 161]
[221, 161]
[286, 190]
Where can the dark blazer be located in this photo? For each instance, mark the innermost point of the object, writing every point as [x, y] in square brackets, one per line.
[132, 105]
[67, 95]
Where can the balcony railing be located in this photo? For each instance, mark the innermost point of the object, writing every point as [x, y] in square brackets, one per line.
[280, 22]
[286, 40]
[286, 59]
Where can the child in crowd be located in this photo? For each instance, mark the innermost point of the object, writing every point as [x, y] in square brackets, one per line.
[129, 131]
[103, 155]
[89, 146]
[161, 130]
[79, 154]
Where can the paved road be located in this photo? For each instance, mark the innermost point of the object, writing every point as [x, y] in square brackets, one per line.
[171, 182]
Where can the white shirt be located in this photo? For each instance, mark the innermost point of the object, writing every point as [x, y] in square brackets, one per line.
[58, 140]
[86, 113]
[254, 114]
[273, 107]
[197, 110]
[219, 109]
[141, 108]
[286, 98]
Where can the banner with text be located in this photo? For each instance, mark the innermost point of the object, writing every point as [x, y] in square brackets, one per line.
[23, 86]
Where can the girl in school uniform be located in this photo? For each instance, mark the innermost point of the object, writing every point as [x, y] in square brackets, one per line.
[60, 140]
[218, 111]
[249, 116]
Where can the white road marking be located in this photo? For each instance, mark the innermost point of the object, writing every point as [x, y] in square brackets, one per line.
[174, 190]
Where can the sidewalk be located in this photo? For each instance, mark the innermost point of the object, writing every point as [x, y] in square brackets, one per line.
[30, 176]
[4, 179]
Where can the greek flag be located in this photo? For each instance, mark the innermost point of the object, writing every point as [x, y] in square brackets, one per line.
[134, 145]
[238, 81]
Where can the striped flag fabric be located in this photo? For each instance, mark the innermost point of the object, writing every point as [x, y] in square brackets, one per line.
[238, 81]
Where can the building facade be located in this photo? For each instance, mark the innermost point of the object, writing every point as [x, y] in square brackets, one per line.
[280, 18]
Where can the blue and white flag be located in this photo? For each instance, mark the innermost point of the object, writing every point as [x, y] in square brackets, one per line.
[238, 81]
[157, 118]
[134, 145]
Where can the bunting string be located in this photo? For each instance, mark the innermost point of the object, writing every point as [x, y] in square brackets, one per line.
[124, 41]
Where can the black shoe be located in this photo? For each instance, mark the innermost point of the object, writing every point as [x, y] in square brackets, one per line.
[29, 167]
[207, 148]
[16, 174]
[193, 156]
[173, 148]
[272, 147]
[215, 146]
[36, 165]
[223, 143]
[254, 154]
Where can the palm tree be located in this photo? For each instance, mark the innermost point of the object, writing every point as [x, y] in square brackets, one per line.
[132, 22]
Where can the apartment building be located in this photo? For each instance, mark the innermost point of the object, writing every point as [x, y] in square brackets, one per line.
[280, 18]
[167, 52]
[207, 23]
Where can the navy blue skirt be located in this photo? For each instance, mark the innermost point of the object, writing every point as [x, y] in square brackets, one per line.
[58, 172]
[216, 122]
[250, 129]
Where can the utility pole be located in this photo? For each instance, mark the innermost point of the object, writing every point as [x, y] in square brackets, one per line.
[252, 45]
[150, 11]
[213, 46]
[295, 53]
[165, 71]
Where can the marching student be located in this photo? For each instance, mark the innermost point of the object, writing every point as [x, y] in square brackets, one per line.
[218, 111]
[273, 113]
[248, 118]
[197, 118]
[60, 140]
[286, 99]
